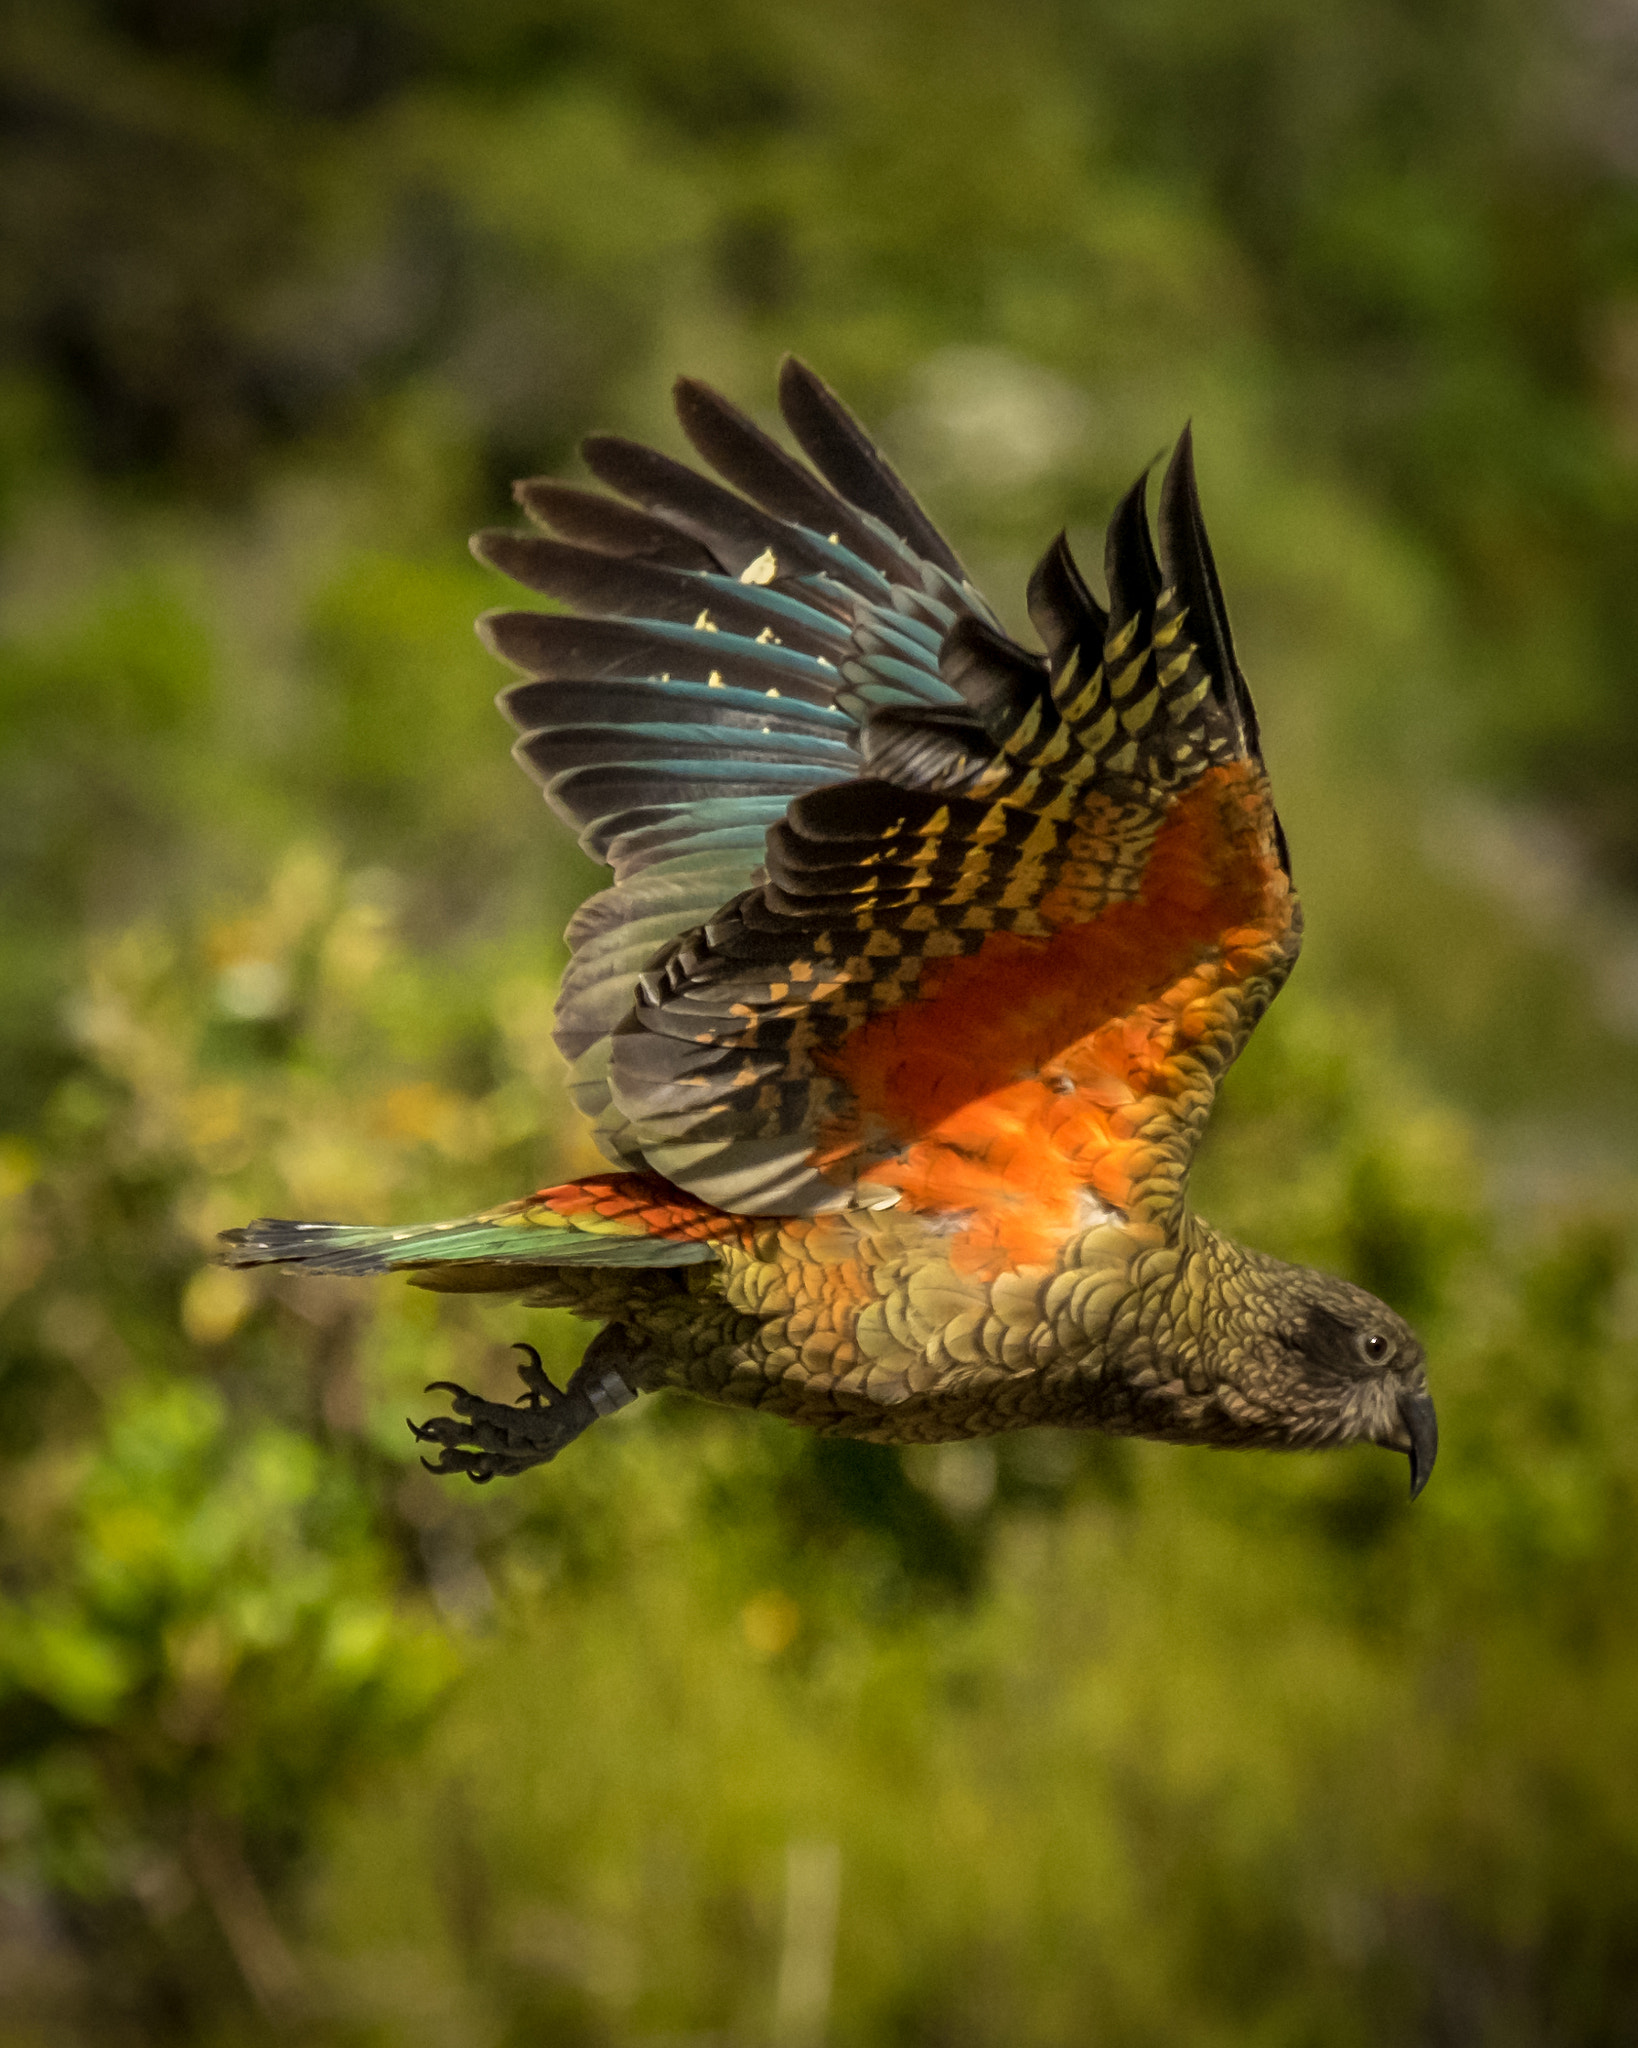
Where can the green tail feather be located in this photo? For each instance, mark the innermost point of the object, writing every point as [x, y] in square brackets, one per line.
[475, 1241]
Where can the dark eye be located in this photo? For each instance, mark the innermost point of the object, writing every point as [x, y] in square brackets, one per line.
[1373, 1348]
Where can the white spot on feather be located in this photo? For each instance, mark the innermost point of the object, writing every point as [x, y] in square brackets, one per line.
[763, 570]
[1090, 1211]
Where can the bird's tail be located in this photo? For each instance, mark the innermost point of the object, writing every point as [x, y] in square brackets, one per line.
[623, 1219]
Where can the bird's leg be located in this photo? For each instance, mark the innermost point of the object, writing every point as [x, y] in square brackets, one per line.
[492, 1439]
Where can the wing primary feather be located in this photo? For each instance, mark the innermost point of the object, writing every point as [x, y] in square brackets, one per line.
[846, 457]
[1189, 567]
[640, 701]
[735, 530]
[552, 647]
[678, 745]
[753, 462]
[1063, 610]
[600, 584]
[1129, 564]
[591, 520]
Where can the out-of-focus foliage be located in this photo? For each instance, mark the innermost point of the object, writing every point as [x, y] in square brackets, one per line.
[1071, 1739]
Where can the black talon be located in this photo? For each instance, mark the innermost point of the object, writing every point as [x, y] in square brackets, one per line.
[535, 1378]
[491, 1439]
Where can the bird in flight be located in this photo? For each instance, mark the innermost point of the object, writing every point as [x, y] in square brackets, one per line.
[924, 957]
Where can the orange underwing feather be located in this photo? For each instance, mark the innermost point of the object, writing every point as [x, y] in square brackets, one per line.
[1027, 1072]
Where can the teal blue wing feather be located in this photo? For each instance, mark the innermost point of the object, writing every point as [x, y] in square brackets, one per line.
[731, 641]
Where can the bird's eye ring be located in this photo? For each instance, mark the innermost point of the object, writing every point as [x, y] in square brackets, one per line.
[1373, 1347]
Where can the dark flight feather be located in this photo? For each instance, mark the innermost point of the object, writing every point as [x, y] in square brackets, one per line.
[996, 678]
[1063, 611]
[735, 530]
[1129, 565]
[643, 701]
[613, 588]
[592, 520]
[549, 646]
[1189, 567]
[753, 462]
[844, 454]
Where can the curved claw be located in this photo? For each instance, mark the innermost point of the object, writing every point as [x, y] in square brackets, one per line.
[538, 1388]
[439, 1429]
[443, 1468]
[492, 1440]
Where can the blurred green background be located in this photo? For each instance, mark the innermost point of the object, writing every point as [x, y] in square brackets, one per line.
[716, 1734]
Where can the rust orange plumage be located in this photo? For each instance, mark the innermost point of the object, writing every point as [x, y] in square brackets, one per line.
[924, 957]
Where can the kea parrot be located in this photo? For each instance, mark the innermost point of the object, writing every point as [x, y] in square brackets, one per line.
[924, 957]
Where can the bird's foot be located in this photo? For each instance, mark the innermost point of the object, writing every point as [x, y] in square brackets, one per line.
[493, 1439]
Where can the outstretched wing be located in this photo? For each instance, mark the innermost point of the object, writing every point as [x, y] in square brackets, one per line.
[902, 911]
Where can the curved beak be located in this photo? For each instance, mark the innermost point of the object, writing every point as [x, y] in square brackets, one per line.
[1422, 1427]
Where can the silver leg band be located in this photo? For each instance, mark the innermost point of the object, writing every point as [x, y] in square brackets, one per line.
[610, 1393]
